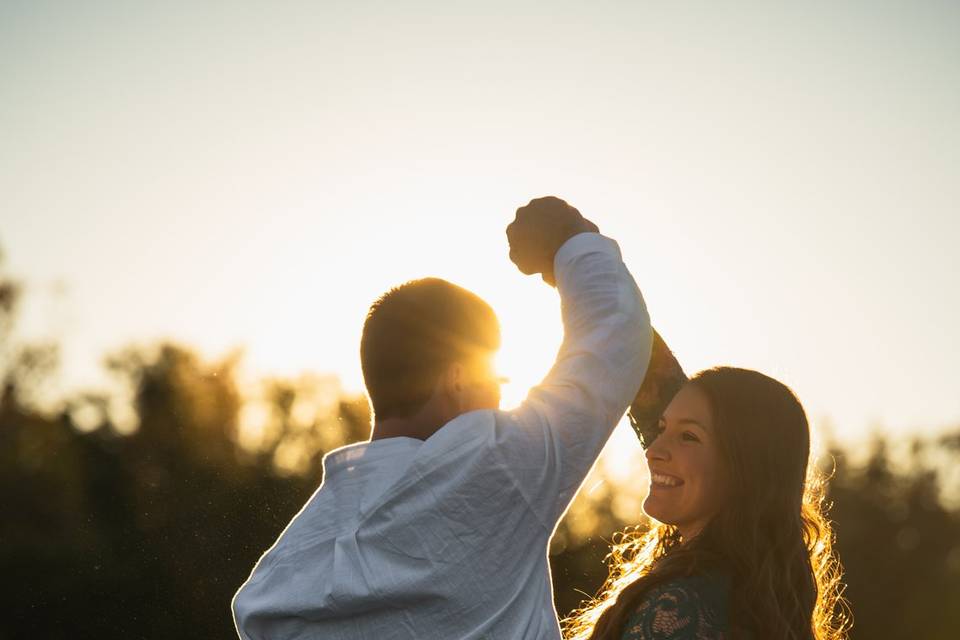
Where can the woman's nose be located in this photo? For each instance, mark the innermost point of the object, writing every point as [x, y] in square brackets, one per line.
[657, 450]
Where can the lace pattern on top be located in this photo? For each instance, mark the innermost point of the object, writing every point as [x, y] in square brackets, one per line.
[682, 609]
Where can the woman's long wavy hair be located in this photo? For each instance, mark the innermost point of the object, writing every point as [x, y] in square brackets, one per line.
[771, 535]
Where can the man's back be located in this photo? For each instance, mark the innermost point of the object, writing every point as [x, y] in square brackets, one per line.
[448, 537]
[427, 535]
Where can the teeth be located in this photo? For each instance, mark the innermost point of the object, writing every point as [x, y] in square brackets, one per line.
[668, 481]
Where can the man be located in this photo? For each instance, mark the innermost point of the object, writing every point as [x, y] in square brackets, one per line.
[438, 526]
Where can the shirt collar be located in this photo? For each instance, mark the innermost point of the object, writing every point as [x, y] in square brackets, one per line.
[363, 454]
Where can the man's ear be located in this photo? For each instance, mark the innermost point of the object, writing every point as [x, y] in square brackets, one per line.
[453, 379]
[451, 387]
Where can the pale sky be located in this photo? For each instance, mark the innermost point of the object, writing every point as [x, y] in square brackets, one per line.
[783, 181]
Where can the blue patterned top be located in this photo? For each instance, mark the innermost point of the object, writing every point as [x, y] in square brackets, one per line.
[691, 608]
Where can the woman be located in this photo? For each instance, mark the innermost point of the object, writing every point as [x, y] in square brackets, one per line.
[740, 547]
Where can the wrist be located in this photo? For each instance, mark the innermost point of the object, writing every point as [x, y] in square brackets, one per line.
[566, 233]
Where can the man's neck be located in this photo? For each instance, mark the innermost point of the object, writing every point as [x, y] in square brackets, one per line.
[418, 427]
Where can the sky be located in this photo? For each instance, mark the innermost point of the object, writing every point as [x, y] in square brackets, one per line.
[783, 180]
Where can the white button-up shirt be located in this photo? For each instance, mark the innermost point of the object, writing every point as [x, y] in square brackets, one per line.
[447, 538]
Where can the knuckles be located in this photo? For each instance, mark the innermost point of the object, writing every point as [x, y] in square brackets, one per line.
[535, 227]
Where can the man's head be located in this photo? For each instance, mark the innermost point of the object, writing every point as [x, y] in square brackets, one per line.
[430, 341]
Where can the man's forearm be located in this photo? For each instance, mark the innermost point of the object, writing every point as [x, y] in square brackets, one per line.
[561, 427]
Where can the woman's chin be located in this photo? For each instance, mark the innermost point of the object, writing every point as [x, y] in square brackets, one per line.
[655, 510]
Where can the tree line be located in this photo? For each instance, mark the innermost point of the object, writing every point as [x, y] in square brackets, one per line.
[139, 516]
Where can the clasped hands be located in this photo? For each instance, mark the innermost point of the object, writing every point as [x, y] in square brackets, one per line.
[539, 230]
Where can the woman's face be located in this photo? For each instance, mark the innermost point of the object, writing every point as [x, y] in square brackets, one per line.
[686, 483]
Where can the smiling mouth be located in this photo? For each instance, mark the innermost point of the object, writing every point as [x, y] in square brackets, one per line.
[664, 481]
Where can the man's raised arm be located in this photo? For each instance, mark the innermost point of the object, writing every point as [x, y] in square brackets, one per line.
[560, 429]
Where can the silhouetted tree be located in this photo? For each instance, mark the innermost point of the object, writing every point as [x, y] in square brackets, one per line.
[900, 546]
[115, 528]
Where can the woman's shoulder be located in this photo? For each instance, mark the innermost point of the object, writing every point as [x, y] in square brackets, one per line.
[684, 608]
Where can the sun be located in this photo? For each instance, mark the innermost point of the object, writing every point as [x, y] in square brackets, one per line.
[531, 337]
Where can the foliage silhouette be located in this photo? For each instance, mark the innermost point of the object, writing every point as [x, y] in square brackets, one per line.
[148, 534]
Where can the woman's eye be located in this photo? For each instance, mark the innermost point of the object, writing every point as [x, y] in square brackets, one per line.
[687, 435]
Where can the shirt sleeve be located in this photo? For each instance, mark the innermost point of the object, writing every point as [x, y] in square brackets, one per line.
[677, 610]
[550, 442]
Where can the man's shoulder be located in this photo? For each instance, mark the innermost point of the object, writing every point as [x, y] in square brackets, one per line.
[482, 433]
[457, 488]
[468, 429]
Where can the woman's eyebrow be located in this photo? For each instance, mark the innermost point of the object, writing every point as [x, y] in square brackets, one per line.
[687, 421]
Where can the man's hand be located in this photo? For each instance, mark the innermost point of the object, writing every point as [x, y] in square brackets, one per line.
[539, 230]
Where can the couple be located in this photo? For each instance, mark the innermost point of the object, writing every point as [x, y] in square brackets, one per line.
[438, 527]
